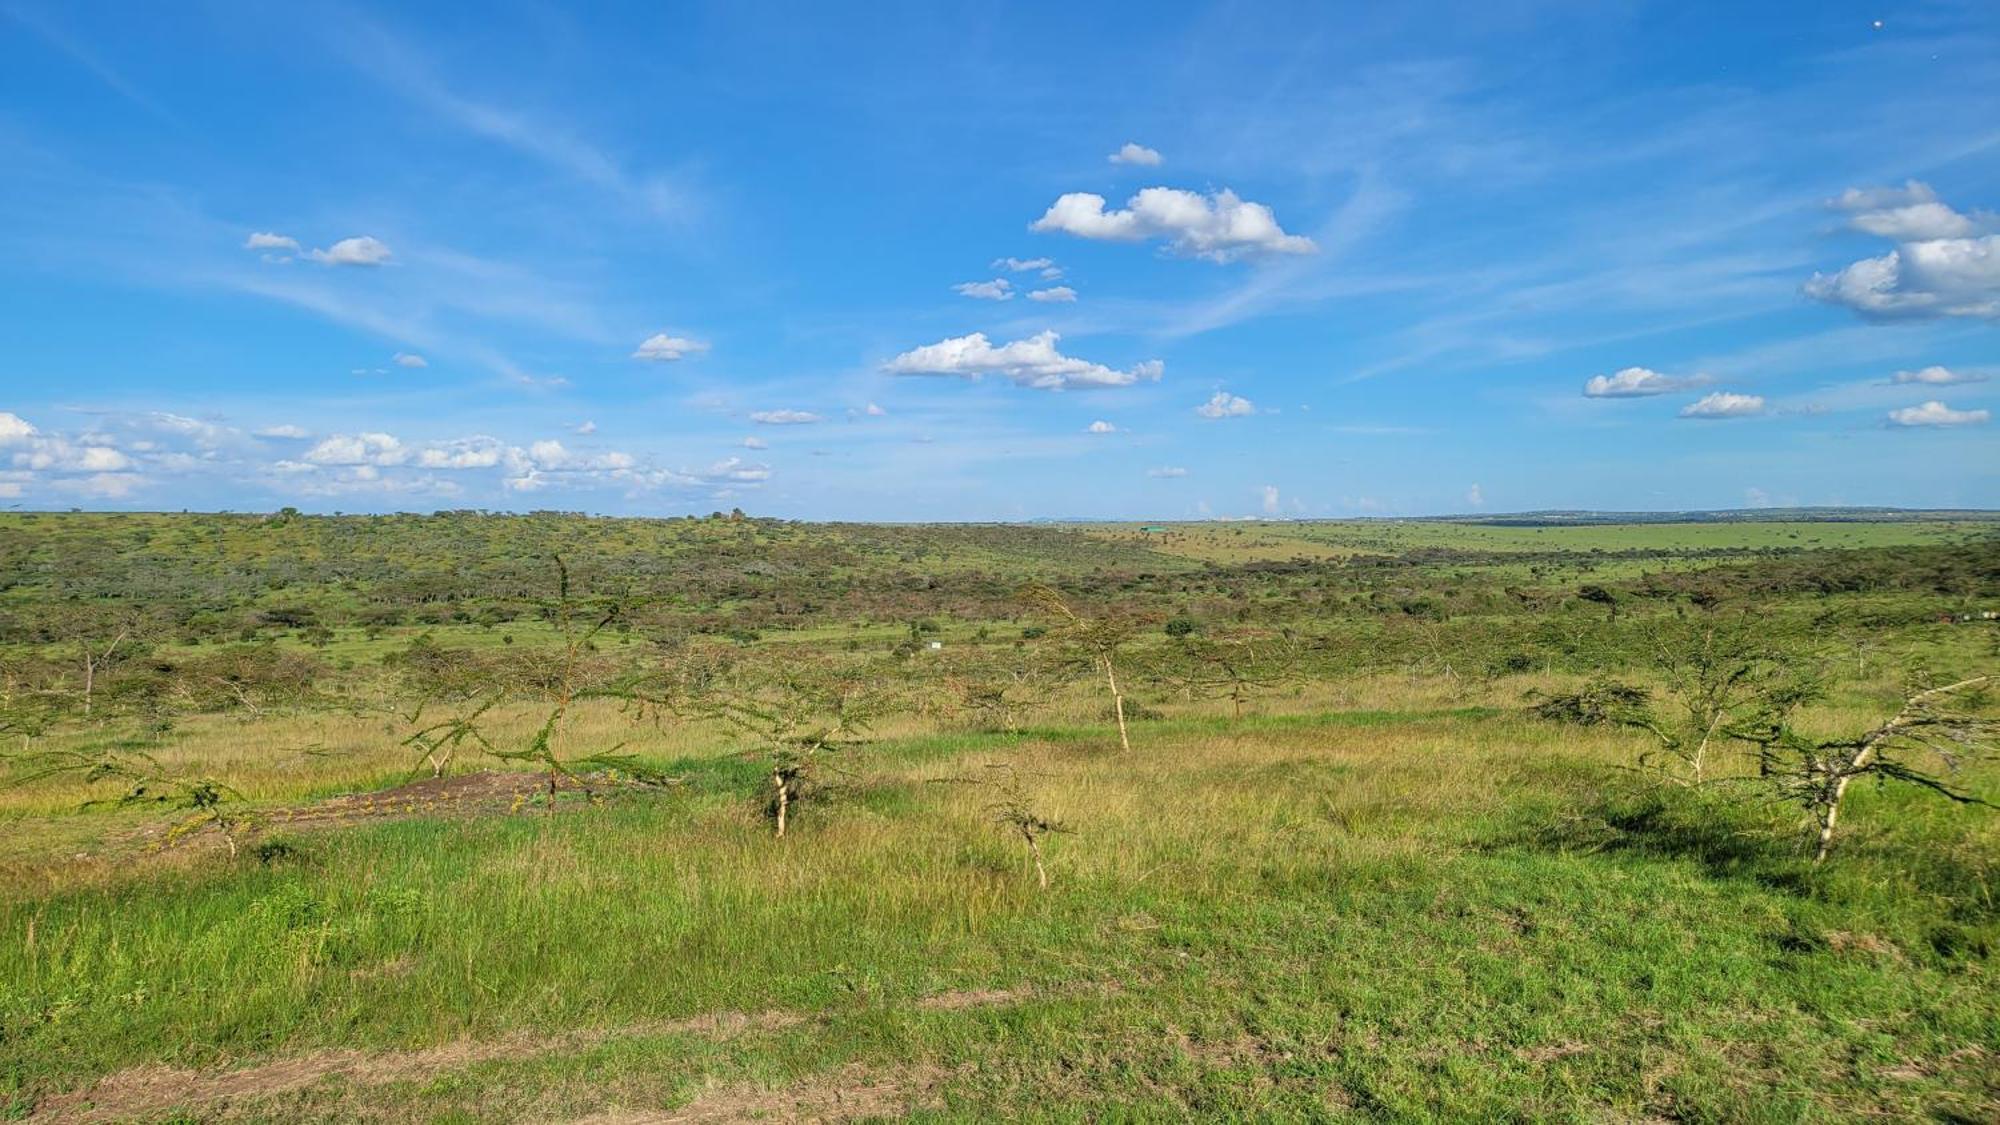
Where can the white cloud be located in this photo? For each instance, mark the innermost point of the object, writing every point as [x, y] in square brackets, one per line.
[1023, 265]
[1911, 213]
[586, 428]
[1724, 404]
[105, 486]
[465, 453]
[737, 470]
[1221, 227]
[755, 442]
[1053, 293]
[1636, 382]
[410, 359]
[1226, 405]
[284, 431]
[999, 289]
[265, 240]
[15, 428]
[663, 348]
[1167, 471]
[784, 417]
[1100, 427]
[362, 250]
[1939, 267]
[1132, 153]
[358, 449]
[1935, 413]
[1475, 497]
[1935, 376]
[99, 459]
[1033, 362]
[1270, 492]
[874, 411]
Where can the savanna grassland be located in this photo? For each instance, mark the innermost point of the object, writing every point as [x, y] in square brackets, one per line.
[474, 817]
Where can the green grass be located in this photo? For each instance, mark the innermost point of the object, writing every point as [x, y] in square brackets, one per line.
[1385, 893]
[1460, 914]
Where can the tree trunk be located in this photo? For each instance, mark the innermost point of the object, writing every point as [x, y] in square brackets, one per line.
[1829, 813]
[784, 798]
[1035, 850]
[1117, 703]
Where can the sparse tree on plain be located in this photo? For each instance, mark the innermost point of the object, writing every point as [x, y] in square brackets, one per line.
[1099, 639]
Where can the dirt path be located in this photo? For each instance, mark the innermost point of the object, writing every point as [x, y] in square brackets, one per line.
[145, 1093]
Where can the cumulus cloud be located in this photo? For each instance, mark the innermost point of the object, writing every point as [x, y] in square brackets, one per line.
[755, 442]
[1023, 265]
[874, 411]
[1941, 265]
[361, 250]
[1131, 153]
[784, 417]
[287, 431]
[1475, 497]
[1940, 277]
[1100, 427]
[1911, 213]
[1061, 293]
[1167, 471]
[1935, 413]
[1935, 376]
[1033, 362]
[358, 449]
[1270, 492]
[1637, 382]
[1724, 404]
[465, 453]
[1226, 405]
[411, 359]
[663, 348]
[999, 289]
[14, 428]
[265, 240]
[586, 428]
[1221, 227]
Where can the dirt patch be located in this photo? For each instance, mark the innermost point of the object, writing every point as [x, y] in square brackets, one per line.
[469, 794]
[150, 1091]
[849, 1094]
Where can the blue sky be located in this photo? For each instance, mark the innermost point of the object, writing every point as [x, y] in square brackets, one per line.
[986, 261]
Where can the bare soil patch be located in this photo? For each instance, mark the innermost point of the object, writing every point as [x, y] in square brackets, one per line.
[148, 1091]
[852, 1093]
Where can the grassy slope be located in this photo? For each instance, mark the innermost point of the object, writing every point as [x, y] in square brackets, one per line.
[1427, 912]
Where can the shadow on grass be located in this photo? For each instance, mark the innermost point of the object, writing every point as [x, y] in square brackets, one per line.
[1727, 838]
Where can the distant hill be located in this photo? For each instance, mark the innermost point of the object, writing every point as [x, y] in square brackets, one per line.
[1733, 515]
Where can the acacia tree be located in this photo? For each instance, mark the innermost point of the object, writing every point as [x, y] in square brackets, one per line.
[800, 712]
[1012, 809]
[571, 677]
[1720, 681]
[1923, 744]
[98, 640]
[1237, 668]
[206, 800]
[1098, 639]
[1722, 677]
[998, 694]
